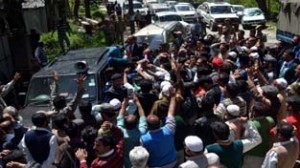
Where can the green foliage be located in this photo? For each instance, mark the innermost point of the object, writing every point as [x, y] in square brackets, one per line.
[78, 39]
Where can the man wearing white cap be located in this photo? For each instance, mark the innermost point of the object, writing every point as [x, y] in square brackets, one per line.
[193, 146]
[232, 119]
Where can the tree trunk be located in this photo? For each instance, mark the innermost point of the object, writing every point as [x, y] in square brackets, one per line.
[76, 8]
[263, 6]
[87, 8]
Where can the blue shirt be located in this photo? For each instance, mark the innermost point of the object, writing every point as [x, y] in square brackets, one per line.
[131, 137]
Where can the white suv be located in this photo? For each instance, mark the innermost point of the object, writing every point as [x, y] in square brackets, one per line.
[214, 14]
[137, 6]
[186, 10]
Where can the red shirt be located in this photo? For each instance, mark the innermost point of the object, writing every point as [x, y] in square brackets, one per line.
[113, 161]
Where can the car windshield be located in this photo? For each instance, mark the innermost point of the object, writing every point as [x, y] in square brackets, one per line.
[135, 6]
[252, 12]
[162, 9]
[170, 18]
[220, 9]
[184, 8]
[154, 41]
[238, 8]
[39, 90]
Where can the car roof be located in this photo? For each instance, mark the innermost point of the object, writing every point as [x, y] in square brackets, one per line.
[238, 6]
[217, 3]
[252, 8]
[134, 2]
[159, 5]
[166, 13]
[155, 28]
[182, 3]
[64, 64]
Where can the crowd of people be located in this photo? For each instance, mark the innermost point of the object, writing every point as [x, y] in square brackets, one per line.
[215, 100]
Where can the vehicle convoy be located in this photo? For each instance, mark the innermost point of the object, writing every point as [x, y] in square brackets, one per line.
[218, 13]
[288, 24]
[253, 17]
[94, 61]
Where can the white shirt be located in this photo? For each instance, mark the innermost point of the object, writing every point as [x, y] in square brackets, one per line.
[271, 158]
[53, 147]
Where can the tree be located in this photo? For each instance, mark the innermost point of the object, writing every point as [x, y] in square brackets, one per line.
[263, 6]
[87, 8]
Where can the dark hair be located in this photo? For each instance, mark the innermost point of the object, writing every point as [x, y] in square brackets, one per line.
[244, 59]
[39, 119]
[290, 52]
[146, 85]
[107, 140]
[285, 130]
[223, 78]
[130, 124]
[89, 134]
[260, 109]
[59, 121]
[204, 71]
[294, 101]
[85, 107]
[242, 32]
[207, 104]
[232, 89]
[59, 102]
[220, 130]
[202, 80]
[242, 85]
[226, 67]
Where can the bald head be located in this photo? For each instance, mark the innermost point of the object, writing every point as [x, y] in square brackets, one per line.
[130, 122]
[153, 122]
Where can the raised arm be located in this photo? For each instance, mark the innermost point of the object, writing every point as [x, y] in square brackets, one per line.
[71, 107]
[53, 88]
[142, 120]
[8, 87]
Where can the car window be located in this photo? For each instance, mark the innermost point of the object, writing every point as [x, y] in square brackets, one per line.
[184, 8]
[161, 10]
[238, 8]
[135, 6]
[170, 18]
[220, 9]
[252, 12]
[40, 88]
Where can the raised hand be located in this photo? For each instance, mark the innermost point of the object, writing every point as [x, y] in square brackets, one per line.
[80, 80]
[55, 76]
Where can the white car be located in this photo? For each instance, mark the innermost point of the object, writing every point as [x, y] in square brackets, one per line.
[239, 10]
[166, 17]
[158, 7]
[253, 17]
[186, 10]
[214, 14]
[137, 6]
[161, 32]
